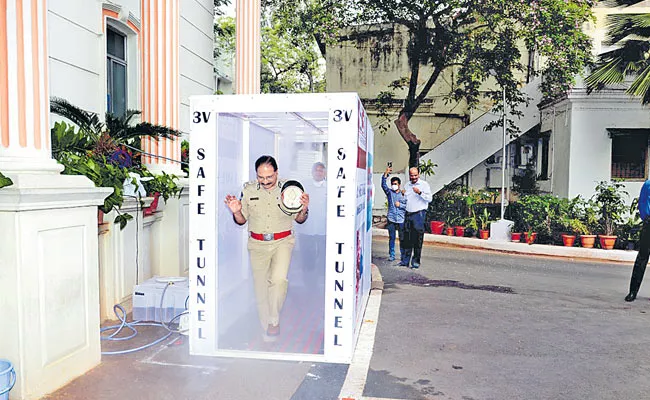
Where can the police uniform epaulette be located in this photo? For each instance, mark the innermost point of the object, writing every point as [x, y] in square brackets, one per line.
[251, 184]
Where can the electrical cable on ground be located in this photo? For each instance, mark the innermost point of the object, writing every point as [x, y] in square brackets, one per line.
[120, 313]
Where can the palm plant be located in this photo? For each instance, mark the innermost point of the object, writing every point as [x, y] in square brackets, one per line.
[103, 137]
[484, 219]
[630, 34]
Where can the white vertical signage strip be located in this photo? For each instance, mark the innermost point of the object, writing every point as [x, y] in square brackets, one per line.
[341, 240]
[203, 226]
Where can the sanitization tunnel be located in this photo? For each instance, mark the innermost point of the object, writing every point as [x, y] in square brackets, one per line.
[329, 273]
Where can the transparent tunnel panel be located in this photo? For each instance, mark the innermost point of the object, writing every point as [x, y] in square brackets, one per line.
[300, 149]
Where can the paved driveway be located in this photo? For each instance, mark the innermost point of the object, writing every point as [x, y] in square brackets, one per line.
[477, 325]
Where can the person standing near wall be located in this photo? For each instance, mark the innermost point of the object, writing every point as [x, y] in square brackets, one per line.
[395, 215]
[644, 243]
[271, 239]
[418, 196]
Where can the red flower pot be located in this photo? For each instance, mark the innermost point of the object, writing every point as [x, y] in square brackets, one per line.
[568, 240]
[587, 241]
[460, 230]
[515, 236]
[437, 227]
[484, 233]
[530, 239]
[153, 206]
[607, 242]
[449, 231]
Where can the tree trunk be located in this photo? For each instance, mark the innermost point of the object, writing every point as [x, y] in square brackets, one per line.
[402, 124]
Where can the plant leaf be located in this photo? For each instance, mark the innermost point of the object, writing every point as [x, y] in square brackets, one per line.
[5, 181]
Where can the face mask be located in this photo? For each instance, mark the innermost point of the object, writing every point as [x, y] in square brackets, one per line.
[394, 187]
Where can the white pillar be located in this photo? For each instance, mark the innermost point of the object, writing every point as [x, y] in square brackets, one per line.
[247, 47]
[160, 43]
[49, 292]
[24, 97]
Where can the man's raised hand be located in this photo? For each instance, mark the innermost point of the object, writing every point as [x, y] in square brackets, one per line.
[233, 203]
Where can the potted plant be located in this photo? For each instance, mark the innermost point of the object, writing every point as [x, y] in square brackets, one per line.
[530, 237]
[569, 221]
[163, 185]
[533, 212]
[513, 212]
[611, 206]
[575, 227]
[587, 214]
[458, 224]
[436, 211]
[484, 221]
[630, 230]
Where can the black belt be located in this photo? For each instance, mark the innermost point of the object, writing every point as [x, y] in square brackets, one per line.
[414, 212]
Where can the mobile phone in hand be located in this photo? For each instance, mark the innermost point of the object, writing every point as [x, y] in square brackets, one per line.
[390, 164]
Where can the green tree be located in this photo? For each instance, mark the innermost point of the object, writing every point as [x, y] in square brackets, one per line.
[629, 34]
[312, 20]
[290, 60]
[289, 64]
[472, 37]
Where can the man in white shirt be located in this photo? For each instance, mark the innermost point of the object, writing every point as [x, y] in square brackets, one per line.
[418, 196]
[311, 234]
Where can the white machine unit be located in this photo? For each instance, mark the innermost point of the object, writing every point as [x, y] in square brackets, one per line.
[147, 295]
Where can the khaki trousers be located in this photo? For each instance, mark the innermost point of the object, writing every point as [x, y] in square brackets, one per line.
[270, 265]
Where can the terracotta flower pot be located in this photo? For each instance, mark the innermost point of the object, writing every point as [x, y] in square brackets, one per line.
[515, 236]
[153, 206]
[530, 239]
[484, 233]
[100, 217]
[587, 241]
[607, 242]
[449, 231]
[437, 227]
[568, 240]
[460, 230]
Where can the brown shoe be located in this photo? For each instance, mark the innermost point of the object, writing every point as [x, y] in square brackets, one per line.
[273, 330]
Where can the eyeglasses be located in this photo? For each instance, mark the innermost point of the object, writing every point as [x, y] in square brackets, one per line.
[269, 178]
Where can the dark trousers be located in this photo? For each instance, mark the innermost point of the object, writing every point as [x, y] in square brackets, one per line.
[413, 236]
[641, 259]
[393, 228]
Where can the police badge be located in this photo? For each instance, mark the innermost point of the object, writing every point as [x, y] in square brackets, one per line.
[290, 197]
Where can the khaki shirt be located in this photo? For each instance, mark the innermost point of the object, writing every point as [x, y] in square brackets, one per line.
[261, 209]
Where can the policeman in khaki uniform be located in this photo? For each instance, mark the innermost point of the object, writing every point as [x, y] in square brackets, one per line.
[271, 239]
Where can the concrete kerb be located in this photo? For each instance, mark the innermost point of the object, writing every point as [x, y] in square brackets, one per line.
[355, 380]
[523, 248]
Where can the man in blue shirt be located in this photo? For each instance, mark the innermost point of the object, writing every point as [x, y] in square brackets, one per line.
[396, 212]
[644, 243]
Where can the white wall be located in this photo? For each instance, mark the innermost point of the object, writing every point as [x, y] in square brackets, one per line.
[557, 119]
[196, 61]
[591, 146]
[76, 64]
